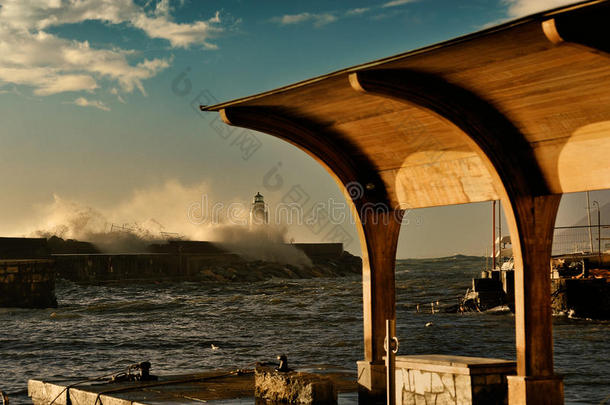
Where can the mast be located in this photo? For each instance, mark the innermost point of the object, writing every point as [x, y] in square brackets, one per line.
[589, 218]
[493, 235]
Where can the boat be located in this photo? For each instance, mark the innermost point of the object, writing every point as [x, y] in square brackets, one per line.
[580, 280]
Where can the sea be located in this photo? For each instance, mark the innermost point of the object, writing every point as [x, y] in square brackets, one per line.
[192, 327]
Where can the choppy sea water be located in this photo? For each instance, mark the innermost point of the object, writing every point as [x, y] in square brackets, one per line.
[100, 329]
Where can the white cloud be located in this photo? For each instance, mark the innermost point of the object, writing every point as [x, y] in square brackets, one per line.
[83, 102]
[357, 11]
[520, 8]
[31, 56]
[395, 3]
[320, 19]
[317, 19]
[33, 14]
[179, 35]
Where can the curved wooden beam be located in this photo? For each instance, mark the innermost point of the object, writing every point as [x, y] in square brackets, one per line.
[343, 161]
[503, 145]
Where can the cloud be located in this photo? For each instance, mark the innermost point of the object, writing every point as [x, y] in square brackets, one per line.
[520, 8]
[357, 11]
[29, 55]
[395, 3]
[83, 102]
[317, 19]
[39, 15]
[180, 35]
[114, 91]
[320, 19]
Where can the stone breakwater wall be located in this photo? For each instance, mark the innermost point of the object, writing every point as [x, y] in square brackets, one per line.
[214, 267]
[27, 283]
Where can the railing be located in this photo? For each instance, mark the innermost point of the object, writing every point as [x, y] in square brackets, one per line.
[581, 239]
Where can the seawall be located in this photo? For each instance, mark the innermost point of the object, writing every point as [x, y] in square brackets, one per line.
[27, 273]
[201, 261]
[27, 283]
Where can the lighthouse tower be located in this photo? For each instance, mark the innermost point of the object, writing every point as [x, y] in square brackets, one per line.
[258, 211]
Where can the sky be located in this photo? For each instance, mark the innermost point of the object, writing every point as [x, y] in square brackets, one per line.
[98, 104]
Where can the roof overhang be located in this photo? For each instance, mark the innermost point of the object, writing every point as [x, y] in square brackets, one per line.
[526, 102]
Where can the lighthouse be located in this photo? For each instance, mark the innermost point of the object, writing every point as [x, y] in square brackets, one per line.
[258, 211]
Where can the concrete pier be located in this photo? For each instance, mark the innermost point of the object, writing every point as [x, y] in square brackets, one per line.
[293, 387]
[171, 389]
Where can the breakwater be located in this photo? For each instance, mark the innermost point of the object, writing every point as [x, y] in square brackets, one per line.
[27, 283]
[202, 261]
[27, 273]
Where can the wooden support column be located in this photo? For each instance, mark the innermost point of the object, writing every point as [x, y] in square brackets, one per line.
[379, 241]
[532, 221]
[529, 207]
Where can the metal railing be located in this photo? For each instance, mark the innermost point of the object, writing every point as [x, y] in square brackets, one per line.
[581, 240]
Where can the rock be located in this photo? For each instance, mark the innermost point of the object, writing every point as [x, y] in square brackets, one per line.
[293, 387]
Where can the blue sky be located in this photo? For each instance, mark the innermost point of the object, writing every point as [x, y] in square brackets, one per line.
[96, 101]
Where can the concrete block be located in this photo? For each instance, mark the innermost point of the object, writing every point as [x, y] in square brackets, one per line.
[529, 390]
[371, 376]
[293, 387]
[436, 383]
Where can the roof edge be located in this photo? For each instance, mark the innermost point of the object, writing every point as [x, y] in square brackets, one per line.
[454, 41]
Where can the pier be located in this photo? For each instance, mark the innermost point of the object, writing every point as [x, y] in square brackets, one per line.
[517, 113]
[211, 386]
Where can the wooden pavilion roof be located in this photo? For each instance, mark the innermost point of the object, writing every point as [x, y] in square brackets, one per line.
[546, 75]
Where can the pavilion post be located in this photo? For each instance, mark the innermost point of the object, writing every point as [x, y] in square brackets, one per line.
[533, 221]
[381, 230]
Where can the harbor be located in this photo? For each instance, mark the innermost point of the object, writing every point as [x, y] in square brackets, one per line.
[312, 321]
[145, 273]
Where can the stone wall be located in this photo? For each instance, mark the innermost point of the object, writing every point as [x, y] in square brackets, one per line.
[219, 267]
[27, 283]
[451, 380]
